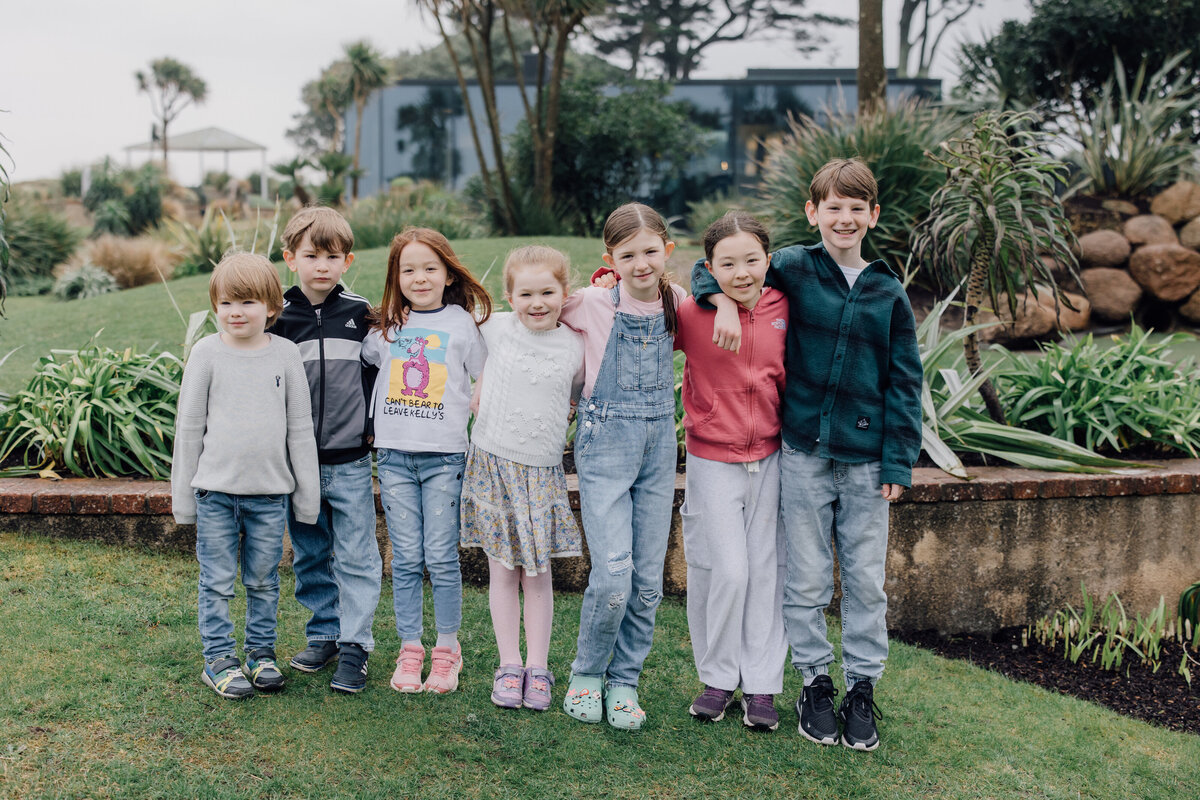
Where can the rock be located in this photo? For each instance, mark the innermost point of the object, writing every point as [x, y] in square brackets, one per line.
[1032, 320]
[1168, 271]
[1191, 309]
[1112, 293]
[1178, 202]
[1103, 249]
[1122, 207]
[1067, 319]
[1149, 229]
[1189, 235]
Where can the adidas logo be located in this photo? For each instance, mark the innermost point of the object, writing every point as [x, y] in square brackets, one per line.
[350, 324]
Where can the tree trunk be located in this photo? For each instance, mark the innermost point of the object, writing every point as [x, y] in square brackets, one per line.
[358, 117]
[164, 138]
[976, 283]
[872, 79]
[545, 188]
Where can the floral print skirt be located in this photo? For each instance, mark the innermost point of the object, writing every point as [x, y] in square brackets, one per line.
[518, 514]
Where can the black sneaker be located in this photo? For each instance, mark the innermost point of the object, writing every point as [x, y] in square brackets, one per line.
[351, 674]
[859, 712]
[314, 657]
[262, 671]
[818, 722]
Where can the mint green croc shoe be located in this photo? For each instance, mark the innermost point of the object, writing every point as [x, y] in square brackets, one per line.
[583, 698]
[621, 708]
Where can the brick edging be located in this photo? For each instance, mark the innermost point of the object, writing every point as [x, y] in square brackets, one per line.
[96, 496]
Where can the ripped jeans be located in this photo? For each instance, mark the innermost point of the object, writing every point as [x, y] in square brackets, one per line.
[626, 465]
[420, 494]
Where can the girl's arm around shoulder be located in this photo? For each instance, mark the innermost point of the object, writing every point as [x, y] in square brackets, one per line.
[581, 304]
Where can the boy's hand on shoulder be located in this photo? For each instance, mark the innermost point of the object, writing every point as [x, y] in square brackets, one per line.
[727, 328]
[892, 491]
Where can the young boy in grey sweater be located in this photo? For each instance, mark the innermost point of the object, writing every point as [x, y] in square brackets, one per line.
[243, 443]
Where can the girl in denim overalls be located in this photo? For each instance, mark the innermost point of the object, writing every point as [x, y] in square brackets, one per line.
[625, 454]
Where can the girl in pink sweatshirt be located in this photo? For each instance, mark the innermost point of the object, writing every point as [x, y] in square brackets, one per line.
[735, 557]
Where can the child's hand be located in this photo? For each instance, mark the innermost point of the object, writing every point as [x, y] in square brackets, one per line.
[892, 491]
[605, 278]
[727, 328]
[571, 411]
[404, 309]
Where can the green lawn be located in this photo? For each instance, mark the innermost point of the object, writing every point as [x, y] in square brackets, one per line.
[146, 319]
[101, 698]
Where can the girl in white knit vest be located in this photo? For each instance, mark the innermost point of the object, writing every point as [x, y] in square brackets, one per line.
[514, 499]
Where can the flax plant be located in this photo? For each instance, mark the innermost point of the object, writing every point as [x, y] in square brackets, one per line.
[990, 220]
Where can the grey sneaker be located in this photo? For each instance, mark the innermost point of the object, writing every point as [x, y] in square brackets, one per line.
[818, 723]
[224, 676]
[711, 704]
[315, 657]
[859, 712]
[351, 674]
[758, 712]
[261, 669]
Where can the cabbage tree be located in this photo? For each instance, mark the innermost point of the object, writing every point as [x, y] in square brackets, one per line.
[993, 219]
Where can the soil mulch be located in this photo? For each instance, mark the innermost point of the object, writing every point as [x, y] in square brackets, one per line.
[1161, 698]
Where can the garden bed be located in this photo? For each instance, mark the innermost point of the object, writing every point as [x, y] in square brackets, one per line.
[1161, 698]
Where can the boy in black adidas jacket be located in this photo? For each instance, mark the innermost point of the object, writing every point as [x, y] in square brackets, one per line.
[337, 561]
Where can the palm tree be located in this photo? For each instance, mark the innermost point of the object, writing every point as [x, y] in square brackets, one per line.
[992, 218]
[368, 72]
[171, 87]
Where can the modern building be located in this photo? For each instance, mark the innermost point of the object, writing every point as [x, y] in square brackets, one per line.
[418, 129]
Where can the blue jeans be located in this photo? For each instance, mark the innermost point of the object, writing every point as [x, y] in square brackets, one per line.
[626, 467]
[420, 493]
[825, 500]
[221, 521]
[337, 562]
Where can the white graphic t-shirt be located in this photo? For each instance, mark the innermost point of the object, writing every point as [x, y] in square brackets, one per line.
[422, 396]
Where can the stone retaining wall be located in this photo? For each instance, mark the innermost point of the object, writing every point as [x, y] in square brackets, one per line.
[1002, 549]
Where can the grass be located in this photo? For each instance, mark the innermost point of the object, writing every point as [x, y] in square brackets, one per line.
[102, 698]
[145, 319]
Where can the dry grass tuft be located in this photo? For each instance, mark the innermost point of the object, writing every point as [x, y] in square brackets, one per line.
[133, 262]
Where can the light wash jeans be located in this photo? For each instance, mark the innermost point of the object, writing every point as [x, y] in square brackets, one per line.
[421, 493]
[221, 521]
[337, 563]
[626, 469]
[825, 500]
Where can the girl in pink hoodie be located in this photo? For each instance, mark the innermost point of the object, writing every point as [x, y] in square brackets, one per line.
[735, 556]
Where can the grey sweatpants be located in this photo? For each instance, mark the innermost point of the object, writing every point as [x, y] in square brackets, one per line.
[734, 547]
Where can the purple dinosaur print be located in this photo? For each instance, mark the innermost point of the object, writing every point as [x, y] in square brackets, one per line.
[418, 365]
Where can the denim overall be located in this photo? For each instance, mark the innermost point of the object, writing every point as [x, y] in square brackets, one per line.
[625, 455]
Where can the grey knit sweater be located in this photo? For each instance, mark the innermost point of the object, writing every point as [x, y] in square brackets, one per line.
[244, 426]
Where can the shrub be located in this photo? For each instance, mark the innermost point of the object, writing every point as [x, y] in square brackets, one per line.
[705, 212]
[72, 182]
[1108, 398]
[85, 280]
[132, 262]
[1140, 135]
[375, 220]
[94, 412]
[39, 240]
[893, 145]
[145, 202]
[112, 217]
[201, 247]
[106, 185]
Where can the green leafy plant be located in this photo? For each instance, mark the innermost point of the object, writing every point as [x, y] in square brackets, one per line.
[39, 239]
[892, 144]
[144, 202]
[107, 184]
[85, 280]
[202, 246]
[1112, 398]
[112, 217]
[1109, 635]
[950, 425]
[991, 220]
[93, 412]
[71, 182]
[708, 210]
[375, 220]
[1140, 135]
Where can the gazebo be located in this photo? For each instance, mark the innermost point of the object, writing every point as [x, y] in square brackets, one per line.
[209, 140]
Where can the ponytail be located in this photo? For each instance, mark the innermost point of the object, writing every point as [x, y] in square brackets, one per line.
[670, 315]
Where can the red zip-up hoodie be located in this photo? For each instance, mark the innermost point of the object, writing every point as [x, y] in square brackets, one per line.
[732, 400]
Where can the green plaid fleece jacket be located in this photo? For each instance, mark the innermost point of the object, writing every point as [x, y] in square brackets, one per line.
[853, 370]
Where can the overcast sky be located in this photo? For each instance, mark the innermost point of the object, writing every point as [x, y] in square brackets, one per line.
[67, 83]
